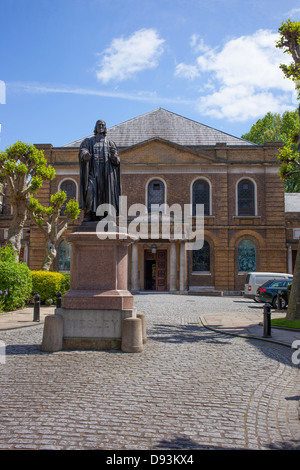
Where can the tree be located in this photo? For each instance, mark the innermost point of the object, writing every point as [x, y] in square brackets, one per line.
[289, 41]
[49, 223]
[275, 127]
[23, 168]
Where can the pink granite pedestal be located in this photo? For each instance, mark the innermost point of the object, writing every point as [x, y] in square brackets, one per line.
[98, 301]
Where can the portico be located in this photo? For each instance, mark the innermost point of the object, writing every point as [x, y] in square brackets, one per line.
[159, 266]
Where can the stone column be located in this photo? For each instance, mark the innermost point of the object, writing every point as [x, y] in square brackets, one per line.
[182, 272]
[173, 266]
[135, 268]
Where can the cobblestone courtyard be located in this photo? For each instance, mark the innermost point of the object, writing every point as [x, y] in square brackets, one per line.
[190, 388]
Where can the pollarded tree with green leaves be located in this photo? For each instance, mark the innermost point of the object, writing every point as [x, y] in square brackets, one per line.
[23, 168]
[275, 127]
[50, 222]
[289, 41]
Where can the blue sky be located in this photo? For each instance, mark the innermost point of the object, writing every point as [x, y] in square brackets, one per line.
[66, 63]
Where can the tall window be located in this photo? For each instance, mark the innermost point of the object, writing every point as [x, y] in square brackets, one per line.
[156, 193]
[246, 198]
[201, 196]
[64, 257]
[246, 256]
[201, 258]
[70, 189]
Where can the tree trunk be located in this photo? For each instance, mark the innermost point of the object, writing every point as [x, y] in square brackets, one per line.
[17, 225]
[50, 255]
[293, 311]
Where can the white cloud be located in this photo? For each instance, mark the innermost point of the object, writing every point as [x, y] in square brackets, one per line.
[125, 57]
[245, 74]
[293, 12]
[187, 71]
[144, 96]
[241, 103]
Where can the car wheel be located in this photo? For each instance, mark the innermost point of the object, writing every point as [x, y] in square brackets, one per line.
[283, 302]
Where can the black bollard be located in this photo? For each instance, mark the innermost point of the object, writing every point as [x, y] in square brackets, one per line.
[36, 308]
[267, 321]
[58, 299]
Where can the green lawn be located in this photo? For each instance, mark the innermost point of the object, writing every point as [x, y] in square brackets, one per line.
[283, 322]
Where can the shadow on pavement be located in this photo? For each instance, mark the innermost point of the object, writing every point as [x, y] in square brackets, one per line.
[183, 334]
[20, 349]
[180, 442]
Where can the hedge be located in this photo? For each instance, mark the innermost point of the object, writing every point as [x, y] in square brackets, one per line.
[48, 283]
[15, 285]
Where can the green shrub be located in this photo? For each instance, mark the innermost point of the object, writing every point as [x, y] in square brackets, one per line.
[7, 253]
[15, 285]
[48, 283]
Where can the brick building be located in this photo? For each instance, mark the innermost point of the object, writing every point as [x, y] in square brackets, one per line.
[167, 158]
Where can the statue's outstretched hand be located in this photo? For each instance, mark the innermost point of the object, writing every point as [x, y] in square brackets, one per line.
[85, 155]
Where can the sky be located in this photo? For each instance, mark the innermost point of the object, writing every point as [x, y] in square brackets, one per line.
[64, 64]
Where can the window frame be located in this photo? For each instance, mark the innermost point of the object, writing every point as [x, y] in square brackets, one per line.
[60, 188]
[206, 271]
[206, 180]
[58, 253]
[253, 182]
[238, 256]
[161, 180]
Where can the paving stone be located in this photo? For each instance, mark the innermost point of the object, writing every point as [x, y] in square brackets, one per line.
[190, 388]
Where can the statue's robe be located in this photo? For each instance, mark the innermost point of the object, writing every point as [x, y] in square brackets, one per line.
[99, 175]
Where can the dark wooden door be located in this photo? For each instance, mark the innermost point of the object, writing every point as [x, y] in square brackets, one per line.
[161, 270]
[156, 270]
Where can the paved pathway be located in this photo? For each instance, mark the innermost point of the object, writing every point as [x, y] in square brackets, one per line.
[191, 387]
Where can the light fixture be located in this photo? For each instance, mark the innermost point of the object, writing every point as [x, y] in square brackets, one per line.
[153, 248]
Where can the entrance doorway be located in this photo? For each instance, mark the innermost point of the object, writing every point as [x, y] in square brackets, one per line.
[156, 270]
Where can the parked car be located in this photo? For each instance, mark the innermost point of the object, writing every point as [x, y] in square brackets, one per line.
[255, 280]
[269, 290]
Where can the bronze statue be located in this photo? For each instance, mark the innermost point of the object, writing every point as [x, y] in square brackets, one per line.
[99, 173]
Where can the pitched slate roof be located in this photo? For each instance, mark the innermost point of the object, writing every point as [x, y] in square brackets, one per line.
[169, 126]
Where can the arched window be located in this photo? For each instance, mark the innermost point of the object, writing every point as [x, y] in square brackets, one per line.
[246, 198]
[201, 258]
[69, 187]
[246, 256]
[64, 257]
[156, 193]
[201, 196]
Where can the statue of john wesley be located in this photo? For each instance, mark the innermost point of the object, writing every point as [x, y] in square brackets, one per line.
[99, 173]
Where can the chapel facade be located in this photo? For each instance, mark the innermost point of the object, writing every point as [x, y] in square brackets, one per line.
[170, 161]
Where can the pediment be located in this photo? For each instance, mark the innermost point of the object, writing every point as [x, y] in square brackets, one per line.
[159, 151]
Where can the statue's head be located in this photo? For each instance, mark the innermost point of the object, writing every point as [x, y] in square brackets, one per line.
[100, 127]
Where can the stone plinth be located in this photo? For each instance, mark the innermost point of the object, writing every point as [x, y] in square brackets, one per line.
[93, 329]
[98, 302]
[98, 271]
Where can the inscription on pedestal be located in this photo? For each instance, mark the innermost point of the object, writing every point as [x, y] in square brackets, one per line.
[91, 323]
